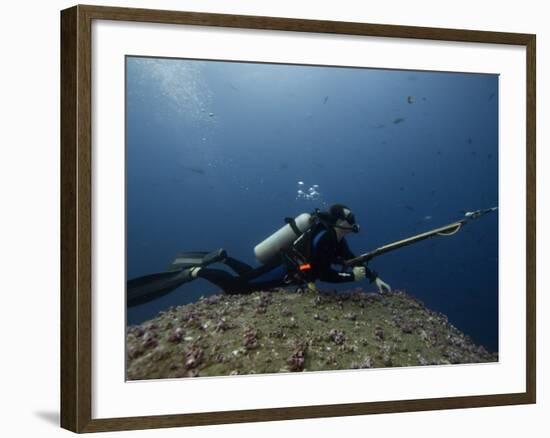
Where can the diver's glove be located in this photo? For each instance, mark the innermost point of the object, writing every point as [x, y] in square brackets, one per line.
[382, 286]
[359, 273]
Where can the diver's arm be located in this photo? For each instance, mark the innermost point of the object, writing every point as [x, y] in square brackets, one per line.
[347, 254]
[361, 272]
[344, 250]
[332, 276]
[382, 285]
[371, 274]
[365, 272]
[323, 264]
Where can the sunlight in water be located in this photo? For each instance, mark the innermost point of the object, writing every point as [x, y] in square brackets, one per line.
[180, 85]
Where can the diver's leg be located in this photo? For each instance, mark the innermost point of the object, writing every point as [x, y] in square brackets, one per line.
[264, 277]
[227, 282]
[266, 274]
[239, 267]
[261, 278]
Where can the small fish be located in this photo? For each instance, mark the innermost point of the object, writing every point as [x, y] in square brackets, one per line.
[470, 141]
[489, 156]
[427, 218]
[491, 96]
[410, 99]
[424, 99]
[210, 114]
[401, 188]
[408, 207]
[325, 100]
[196, 170]
[398, 120]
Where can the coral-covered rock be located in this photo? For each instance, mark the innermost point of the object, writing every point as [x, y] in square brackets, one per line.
[176, 335]
[222, 335]
[250, 339]
[297, 360]
[337, 336]
[193, 357]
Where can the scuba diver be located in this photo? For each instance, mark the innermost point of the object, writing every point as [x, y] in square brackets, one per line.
[299, 253]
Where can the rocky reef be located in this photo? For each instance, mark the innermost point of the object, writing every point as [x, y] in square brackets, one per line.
[282, 331]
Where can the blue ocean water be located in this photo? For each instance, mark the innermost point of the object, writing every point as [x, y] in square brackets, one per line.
[216, 152]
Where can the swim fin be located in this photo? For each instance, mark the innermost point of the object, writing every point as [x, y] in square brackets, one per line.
[150, 287]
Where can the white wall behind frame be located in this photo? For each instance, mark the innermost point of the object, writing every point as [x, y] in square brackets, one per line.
[29, 184]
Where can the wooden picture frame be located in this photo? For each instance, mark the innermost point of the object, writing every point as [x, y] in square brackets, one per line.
[76, 218]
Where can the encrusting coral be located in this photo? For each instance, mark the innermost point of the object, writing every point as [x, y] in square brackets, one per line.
[283, 331]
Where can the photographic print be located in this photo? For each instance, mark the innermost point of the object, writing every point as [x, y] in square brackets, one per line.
[297, 218]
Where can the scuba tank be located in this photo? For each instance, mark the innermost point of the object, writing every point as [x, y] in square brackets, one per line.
[283, 238]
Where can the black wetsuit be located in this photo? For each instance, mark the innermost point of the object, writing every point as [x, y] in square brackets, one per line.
[325, 251]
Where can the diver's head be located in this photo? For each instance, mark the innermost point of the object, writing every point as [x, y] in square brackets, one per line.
[343, 219]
